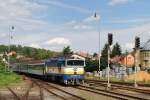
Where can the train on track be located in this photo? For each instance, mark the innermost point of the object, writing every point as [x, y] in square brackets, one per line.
[66, 70]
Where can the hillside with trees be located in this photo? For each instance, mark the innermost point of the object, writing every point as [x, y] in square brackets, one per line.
[29, 52]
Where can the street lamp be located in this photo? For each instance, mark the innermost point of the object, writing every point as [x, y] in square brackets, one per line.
[99, 62]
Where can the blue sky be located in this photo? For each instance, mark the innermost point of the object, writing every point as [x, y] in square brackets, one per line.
[53, 24]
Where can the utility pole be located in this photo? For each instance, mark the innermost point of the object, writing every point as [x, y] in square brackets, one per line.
[9, 45]
[126, 64]
[99, 60]
[126, 58]
[110, 40]
[108, 69]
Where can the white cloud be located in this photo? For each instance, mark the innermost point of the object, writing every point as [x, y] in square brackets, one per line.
[35, 45]
[63, 5]
[128, 21]
[21, 14]
[144, 28]
[12, 9]
[73, 22]
[117, 2]
[2, 35]
[86, 23]
[92, 18]
[129, 45]
[58, 41]
[81, 26]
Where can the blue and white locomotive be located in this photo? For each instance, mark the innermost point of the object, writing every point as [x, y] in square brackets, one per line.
[66, 70]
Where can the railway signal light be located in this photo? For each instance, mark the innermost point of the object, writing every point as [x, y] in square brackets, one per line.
[137, 42]
[95, 15]
[110, 38]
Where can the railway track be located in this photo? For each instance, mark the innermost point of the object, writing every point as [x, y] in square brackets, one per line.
[41, 93]
[16, 97]
[112, 94]
[122, 83]
[118, 86]
[26, 95]
[64, 95]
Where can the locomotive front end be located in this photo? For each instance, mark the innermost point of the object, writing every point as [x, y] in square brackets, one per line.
[74, 71]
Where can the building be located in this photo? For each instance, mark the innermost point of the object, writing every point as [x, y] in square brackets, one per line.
[12, 53]
[145, 55]
[84, 54]
[140, 58]
[126, 60]
[77, 57]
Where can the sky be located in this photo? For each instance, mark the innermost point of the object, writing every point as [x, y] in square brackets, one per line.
[53, 24]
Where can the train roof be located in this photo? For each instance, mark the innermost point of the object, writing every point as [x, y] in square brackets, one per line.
[33, 62]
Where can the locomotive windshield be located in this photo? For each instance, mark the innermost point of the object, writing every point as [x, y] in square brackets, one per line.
[75, 62]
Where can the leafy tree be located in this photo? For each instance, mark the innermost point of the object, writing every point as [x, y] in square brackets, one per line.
[3, 48]
[116, 50]
[104, 57]
[2, 67]
[91, 65]
[19, 49]
[67, 51]
[27, 51]
[13, 48]
[95, 55]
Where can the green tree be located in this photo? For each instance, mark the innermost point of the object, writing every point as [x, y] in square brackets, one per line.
[104, 57]
[95, 55]
[28, 51]
[13, 48]
[3, 48]
[91, 65]
[116, 51]
[67, 51]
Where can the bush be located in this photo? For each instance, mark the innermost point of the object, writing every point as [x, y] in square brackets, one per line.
[7, 78]
[2, 67]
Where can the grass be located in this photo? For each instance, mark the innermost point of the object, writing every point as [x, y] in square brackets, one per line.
[103, 79]
[8, 78]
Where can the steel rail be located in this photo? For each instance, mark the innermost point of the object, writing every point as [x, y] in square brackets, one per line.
[145, 91]
[122, 83]
[101, 93]
[14, 94]
[65, 92]
[50, 91]
[115, 93]
[41, 93]
[55, 87]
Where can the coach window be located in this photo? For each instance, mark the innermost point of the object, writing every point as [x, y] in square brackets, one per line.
[59, 64]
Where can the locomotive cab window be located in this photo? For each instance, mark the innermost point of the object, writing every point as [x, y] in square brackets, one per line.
[75, 62]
